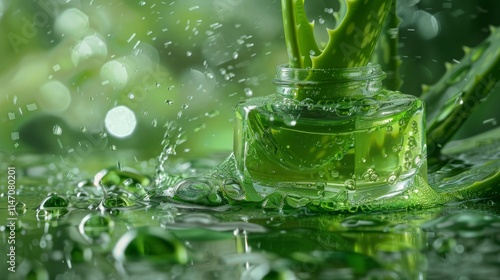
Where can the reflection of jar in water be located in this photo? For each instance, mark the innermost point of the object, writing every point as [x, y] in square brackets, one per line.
[330, 131]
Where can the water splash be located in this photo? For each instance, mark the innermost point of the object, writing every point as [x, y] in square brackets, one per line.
[173, 136]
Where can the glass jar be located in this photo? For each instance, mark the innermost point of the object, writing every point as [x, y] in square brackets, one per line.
[329, 138]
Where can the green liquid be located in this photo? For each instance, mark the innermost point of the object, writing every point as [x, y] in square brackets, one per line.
[369, 147]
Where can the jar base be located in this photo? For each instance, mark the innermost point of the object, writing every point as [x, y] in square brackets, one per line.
[332, 196]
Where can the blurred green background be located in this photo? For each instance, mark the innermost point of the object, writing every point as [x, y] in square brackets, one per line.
[79, 78]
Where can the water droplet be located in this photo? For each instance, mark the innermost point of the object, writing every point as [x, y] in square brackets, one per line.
[344, 109]
[51, 214]
[407, 165]
[20, 208]
[117, 201]
[402, 122]
[417, 160]
[54, 201]
[492, 121]
[391, 180]
[212, 114]
[397, 148]
[367, 106]
[152, 244]
[233, 190]
[338, 156]
[57, 130]
[193, 189]
[248, 92]
[125, 180]
[290, 121]
[320, 186]
[370, 175]
[412, 143]
[273, 201]
[350, 185]
[93, 226]
[407, 156]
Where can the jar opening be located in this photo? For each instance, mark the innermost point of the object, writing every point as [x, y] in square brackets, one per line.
[329, 84]
[285, 74]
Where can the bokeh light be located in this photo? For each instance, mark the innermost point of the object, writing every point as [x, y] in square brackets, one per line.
[120, 121]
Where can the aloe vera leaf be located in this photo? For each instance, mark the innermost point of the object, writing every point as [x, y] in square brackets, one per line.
[459, 92]
[471, 170]
[478, 182]
[299, 34]
[386, 50]
[351, 44]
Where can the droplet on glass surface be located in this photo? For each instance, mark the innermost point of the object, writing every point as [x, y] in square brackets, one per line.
[350, 184]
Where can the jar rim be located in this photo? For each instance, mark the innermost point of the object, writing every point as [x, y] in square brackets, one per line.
[286, 74]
